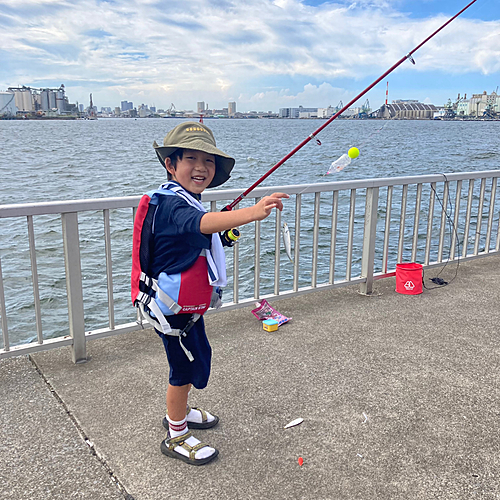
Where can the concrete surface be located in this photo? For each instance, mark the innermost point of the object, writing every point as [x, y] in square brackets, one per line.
[399, 395]
[42, 454]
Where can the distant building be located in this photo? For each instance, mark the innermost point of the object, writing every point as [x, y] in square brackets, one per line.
[24, 99]
[126, 105]
[42, 100]
[308, 114]
[117, 111]
[143, 111]
[220, 112]
[326, 112]
[200, 107]
[407, 109]
[8, 104]
[231, 108]
[351, 112]
[295, 112]
[479, 103]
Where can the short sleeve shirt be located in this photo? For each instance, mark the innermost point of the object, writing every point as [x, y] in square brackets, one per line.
[178, 240]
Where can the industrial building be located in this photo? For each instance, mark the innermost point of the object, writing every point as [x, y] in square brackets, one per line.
[32, 100]
[481, 104]
[7, 104]
[29, 99]
[295, 112]
[412, 110]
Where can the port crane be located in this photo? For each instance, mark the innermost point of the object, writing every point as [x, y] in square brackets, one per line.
[365, 110]
[171, 111]
[450, 108]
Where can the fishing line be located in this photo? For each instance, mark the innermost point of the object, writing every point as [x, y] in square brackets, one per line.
[336, 115]
[437, 280]
[345, 160]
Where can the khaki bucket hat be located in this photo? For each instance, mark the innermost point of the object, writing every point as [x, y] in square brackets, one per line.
[193, 135]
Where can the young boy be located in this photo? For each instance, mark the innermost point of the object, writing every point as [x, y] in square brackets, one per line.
[182, 229]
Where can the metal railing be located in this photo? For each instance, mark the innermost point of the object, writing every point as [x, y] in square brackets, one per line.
[343, 232]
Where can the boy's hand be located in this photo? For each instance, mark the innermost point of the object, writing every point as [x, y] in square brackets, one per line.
[265, 206]
[214, 222]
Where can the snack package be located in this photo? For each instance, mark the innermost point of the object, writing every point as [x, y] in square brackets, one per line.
[265, 311]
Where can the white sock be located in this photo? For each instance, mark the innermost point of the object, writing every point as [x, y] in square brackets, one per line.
[195, 416]
[178, 428]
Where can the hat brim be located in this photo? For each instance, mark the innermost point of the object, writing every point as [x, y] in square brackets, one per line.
[223, 162]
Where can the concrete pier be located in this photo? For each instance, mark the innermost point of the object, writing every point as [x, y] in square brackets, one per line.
[399, 395]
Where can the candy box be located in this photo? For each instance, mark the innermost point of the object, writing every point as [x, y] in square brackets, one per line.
[270, 325]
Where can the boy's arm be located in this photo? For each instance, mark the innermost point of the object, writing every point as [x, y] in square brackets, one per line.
[215, 222]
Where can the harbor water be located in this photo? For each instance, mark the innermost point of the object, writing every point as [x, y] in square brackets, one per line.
[66, 160]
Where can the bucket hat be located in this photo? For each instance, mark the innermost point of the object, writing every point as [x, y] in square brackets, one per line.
[193, 135]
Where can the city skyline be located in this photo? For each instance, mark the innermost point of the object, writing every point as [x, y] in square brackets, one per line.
[262, 55]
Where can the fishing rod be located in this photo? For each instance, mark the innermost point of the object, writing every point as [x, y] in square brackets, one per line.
[336, 115]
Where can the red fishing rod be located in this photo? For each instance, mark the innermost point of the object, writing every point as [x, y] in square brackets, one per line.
[336, 115]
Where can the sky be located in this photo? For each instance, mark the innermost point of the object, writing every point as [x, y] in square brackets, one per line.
[263, 54]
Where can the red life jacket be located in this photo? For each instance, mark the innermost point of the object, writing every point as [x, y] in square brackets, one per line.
[186, 292]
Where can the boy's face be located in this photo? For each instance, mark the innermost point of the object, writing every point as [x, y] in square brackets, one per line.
[194, 172]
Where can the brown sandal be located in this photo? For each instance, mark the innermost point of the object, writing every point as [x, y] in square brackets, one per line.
[169, 444]
[204, 424]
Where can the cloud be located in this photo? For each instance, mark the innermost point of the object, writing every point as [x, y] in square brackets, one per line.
[217, 49]
[308, 96]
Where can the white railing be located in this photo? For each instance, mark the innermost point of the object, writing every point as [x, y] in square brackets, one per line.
[343, 233]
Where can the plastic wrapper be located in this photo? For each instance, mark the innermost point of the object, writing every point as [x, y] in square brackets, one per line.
[265, 311]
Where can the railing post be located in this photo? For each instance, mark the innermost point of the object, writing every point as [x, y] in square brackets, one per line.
[3, 313]
[71, 241]
[370, 233]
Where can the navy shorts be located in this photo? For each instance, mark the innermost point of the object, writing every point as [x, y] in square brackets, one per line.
[183, 371]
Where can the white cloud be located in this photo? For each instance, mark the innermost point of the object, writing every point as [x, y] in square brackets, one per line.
[308, 96]
[213, 50]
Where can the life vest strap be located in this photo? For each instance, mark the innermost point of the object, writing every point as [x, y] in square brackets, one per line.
[163, 325]
[152, 284]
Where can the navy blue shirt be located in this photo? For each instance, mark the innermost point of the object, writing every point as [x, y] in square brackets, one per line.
[178, 240]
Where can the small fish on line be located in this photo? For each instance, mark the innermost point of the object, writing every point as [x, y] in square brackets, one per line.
[293, 423]
[286, 241]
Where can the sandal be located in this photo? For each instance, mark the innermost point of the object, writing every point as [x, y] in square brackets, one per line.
[204, 424]
[169, 444]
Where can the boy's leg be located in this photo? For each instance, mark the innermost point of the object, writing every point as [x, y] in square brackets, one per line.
[177, 396]
[196, 418]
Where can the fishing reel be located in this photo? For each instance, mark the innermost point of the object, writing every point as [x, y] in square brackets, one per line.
[230, 237]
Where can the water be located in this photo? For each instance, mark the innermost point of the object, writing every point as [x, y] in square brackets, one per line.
[48, 160]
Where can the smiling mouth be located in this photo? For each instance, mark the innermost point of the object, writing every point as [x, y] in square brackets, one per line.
[198, 179]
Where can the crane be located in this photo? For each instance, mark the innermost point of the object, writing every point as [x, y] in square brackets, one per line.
[365, 110]
[450, 109]
[171, 109]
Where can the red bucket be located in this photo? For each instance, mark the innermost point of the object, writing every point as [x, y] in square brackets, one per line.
[409, 278]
